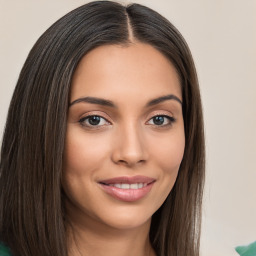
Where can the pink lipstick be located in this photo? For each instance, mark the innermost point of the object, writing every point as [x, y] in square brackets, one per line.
[127, 188]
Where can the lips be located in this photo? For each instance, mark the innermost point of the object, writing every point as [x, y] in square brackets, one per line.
[126, 188]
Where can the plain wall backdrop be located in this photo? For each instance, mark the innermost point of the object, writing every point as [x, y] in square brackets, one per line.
[222, 37]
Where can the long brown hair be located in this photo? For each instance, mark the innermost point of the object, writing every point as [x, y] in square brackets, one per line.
[32, 217]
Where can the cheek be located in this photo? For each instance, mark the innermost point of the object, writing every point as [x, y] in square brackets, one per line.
[84, 152]
[169, 152]
[172, 156]
[84, 155]
[168, 156]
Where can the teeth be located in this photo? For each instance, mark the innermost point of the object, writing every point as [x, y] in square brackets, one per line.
[128, 186]
[134, 186]
[125, 186]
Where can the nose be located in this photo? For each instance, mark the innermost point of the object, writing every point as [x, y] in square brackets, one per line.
[129, 148]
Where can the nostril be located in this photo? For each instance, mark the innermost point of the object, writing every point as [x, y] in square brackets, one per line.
[130, 162]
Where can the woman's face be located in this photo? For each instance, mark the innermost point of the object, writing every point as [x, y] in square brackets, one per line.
[125, 136]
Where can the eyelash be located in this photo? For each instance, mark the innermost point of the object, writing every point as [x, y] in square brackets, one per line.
[82, 121]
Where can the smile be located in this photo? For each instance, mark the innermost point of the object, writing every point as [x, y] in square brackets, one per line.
[128, 189]
[128, 186]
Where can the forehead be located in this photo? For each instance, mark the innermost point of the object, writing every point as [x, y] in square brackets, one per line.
[121, 71]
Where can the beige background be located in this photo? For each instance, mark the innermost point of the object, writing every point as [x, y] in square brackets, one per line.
[222, 37]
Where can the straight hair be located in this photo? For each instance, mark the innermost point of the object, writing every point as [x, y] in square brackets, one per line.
[32, 213]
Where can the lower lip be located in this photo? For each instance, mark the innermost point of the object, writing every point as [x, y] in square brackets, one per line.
[127, 195]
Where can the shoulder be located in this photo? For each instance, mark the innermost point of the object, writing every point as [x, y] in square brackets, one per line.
[4, 251]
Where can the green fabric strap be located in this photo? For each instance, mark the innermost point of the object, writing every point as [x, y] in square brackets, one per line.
[249, 250]
[4, 251]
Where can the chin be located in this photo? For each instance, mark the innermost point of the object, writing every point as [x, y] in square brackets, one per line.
[127, 222]
[128, 217]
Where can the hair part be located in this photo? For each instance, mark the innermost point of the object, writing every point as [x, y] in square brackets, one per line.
[32, 216]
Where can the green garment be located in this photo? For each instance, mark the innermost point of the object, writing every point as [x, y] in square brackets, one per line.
[4, 251]
[249, 250]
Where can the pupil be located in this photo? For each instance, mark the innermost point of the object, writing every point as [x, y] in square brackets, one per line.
[158, 120]
[94, 120]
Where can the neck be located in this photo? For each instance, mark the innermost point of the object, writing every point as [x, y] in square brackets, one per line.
[92, 238]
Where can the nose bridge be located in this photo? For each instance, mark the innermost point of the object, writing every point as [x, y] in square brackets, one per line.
[130, 145]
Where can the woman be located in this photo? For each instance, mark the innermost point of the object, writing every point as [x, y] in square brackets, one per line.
[103, 150]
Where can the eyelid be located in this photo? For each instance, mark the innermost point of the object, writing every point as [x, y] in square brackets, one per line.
[86, 117]
[160, 113]
[96, 113]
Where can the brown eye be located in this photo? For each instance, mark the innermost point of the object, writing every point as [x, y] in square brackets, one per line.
[93, 120]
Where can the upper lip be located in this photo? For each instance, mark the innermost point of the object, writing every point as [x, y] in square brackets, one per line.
[128, 180]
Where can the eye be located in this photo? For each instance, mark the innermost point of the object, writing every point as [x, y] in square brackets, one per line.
[161, 120]
[93, 120]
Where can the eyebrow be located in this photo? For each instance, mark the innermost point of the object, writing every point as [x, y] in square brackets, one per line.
[109, 103]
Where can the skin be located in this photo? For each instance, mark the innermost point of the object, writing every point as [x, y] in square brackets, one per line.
[126, 142]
